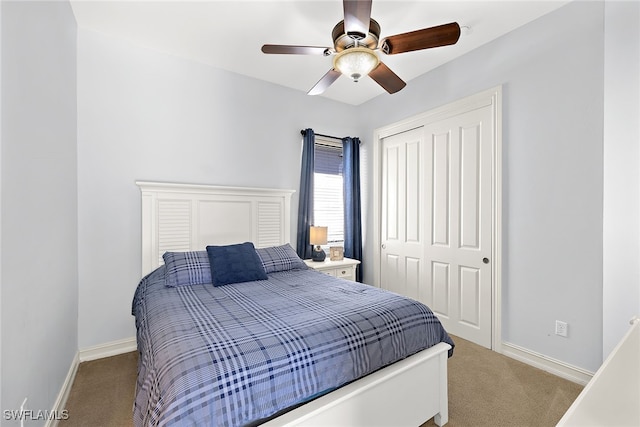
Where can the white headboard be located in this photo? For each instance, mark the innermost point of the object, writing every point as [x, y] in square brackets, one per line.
[187, 217]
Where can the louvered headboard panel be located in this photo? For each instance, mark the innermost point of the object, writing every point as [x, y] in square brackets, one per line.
[186, 217]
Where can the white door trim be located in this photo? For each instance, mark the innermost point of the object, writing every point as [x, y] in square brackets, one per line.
[491, 97]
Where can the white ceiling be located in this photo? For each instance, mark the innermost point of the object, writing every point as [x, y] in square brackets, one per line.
[229, 34]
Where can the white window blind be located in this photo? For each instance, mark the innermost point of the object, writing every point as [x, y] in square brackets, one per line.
[328, 198]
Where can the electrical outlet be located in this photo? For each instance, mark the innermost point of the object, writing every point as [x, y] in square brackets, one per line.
[561, 328]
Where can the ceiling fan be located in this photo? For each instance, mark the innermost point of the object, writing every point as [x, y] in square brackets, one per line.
[355, 40]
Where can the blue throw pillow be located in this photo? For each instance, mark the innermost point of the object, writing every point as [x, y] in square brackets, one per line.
[280, 258]
[235, 264]
[186, 268]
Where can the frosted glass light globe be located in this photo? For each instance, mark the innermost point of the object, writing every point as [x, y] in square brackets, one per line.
[356, 62]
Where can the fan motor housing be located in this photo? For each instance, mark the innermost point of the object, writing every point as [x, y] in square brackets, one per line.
[342, 41]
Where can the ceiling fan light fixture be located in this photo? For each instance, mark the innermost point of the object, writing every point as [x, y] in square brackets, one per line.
[356, 62]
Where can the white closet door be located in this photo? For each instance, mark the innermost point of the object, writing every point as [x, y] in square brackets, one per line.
[436, 220]
[402, 250]
[458, 211]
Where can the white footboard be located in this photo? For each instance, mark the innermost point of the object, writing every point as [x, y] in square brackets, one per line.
[612, 397]
[407, 393]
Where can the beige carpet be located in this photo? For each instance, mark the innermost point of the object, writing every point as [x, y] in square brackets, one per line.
[102, 392]
[489, 389]
[485, 389]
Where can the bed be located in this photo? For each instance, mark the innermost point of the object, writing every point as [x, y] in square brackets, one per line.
[214, 351]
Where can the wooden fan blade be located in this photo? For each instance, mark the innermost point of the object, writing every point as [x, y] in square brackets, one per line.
[357, 15]
[442, 35]
[326, 81]
[295, 50]
[387, 78]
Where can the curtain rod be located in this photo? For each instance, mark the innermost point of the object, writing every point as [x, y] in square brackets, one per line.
[303, 132]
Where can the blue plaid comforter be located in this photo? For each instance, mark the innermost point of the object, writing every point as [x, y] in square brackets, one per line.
[236, 354]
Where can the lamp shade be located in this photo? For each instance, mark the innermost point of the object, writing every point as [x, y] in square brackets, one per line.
[318, 235]
[356, 62]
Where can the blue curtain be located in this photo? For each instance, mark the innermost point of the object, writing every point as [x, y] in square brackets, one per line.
[352, 205]
[305, 202]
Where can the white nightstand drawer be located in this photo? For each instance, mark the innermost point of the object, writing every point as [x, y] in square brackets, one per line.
[346, 273]
[344, 269]
[328, 272]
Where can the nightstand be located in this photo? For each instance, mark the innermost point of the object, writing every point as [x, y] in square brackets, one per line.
[345, 268]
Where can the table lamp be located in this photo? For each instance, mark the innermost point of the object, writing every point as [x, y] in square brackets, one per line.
[318, 237]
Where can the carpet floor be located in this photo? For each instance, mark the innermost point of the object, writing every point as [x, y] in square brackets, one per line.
[485, 389]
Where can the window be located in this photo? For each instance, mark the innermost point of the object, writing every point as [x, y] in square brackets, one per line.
[328, 201]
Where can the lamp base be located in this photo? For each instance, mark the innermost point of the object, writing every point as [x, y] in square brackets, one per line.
[318, 254]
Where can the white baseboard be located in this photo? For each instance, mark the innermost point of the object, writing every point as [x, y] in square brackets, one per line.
[546, 363]
[63, 395]
[109, 349]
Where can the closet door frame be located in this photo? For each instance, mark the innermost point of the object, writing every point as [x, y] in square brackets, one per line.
[494, 97]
